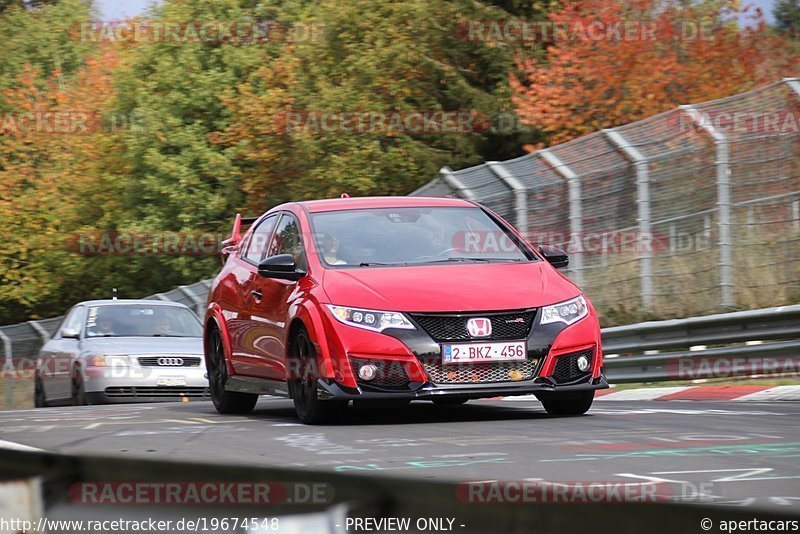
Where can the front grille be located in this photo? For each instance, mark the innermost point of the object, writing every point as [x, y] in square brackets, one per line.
[478, 373]
[566, 369]
[157, 391]
[506, 326]
[153, 361]
[390, 374]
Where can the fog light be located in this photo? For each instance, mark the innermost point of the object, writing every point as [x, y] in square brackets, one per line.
[583, 364]
[367, 372]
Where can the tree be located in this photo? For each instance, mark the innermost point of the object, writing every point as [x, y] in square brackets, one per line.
[694, 53]
[43, 38]
[787, 17]
[49, 184]
[27, 4]
[390, 59]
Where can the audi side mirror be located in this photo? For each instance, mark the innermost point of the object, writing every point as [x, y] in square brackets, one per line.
[281, 267]
[555, 256]
[70, 333]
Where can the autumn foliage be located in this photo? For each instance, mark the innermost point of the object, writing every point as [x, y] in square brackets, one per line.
[676, 55]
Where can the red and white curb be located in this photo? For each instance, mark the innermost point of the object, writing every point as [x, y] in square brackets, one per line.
[696, 393]
[701, 393]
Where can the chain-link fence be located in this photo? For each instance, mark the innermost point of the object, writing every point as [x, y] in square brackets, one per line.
[693, 211]
[22, 342]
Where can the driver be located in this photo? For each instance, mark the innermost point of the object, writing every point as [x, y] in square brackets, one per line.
[103, 327]
[164, 326]
[328, 245]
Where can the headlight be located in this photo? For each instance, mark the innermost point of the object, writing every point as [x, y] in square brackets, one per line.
[377, 321]
[102, 360]
[565, 312]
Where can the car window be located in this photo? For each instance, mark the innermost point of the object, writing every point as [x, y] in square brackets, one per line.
[288, 240]
[259, 239]
[141, 320]
[74, 320]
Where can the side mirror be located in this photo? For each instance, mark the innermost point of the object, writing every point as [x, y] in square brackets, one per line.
[70, 333]
[226, 251]
[557, 257]
[281, 267]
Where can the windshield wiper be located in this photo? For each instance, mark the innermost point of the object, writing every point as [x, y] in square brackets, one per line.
[379, 264]
[477, 260]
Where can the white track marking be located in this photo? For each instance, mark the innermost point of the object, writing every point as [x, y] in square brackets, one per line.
[18, 446]
[642, 394]
[777, 393]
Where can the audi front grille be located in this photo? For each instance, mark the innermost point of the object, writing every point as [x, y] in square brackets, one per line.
[169, 361]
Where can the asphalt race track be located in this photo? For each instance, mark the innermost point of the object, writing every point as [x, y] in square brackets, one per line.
[739, 454]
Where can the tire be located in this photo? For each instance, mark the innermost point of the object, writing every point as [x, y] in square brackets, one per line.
[225, 402]
[78, 388]
[566, 407]
[450, 401]
[39, 398]
[303, 388]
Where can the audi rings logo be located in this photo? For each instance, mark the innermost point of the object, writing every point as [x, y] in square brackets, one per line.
[171, 362]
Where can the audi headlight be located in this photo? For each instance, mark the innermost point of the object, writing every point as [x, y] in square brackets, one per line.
[374, 320]
[102, 360]
[565, 312]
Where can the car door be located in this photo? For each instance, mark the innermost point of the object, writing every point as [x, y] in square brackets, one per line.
[271, 298]
[62, 350]
[244, 271]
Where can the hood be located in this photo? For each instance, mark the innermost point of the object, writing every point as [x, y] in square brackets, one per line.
[144, 345]
[449, 287]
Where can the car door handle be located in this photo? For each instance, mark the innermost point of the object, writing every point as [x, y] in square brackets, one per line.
[256, 294]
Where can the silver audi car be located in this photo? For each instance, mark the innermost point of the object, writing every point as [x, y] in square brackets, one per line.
[114, 351]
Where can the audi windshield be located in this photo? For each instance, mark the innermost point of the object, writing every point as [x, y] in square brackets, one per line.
[142, 321]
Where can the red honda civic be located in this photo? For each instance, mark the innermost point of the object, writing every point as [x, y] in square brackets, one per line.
[395, 299]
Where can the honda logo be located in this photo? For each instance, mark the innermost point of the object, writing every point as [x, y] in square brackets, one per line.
[171, 362]
[479, 327]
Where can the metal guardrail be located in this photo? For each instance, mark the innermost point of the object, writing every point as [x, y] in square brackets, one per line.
[743, 343]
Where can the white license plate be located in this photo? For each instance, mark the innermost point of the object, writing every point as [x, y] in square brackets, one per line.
[509, 351]
[171, 381]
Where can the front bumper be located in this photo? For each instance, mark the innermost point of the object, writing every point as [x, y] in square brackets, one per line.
[541, 387]
[410, 363]
[145, 384]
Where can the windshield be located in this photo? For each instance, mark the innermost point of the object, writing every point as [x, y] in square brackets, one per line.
[141, 321]
[414, 235]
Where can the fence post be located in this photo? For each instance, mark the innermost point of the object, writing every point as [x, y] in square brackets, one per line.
[8, 369]
[723, 204]
[450, 178]
[640, 163]
[520, 195]
[575, 211]
[198, 302]
[794, 85]
[40, 330]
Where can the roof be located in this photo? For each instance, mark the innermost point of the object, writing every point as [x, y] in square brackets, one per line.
[338, 204]
[118, 302]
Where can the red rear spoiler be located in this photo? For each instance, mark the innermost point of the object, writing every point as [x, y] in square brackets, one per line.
[236, 233]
